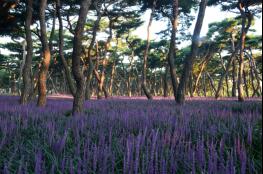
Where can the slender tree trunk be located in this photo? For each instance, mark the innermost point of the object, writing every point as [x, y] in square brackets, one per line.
[27, 85]
[180, 98]
[68, 75]
[42, 79]
[79, 97]
[146, 54]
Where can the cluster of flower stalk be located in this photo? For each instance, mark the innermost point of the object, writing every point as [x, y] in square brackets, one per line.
[131, 137]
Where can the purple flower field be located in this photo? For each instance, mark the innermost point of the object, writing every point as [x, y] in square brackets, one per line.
[131, 137]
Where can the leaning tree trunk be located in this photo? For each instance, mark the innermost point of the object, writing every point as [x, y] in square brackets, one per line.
[145, 59]
[79, 97]
[68, 75]
[42, 79]
[180, 97]
[27, 85]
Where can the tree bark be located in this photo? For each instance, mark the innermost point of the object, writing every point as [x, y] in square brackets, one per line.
[68, 75]
[79, 98]
[27, 85]
[146, 54]
[172, 49]
[180, 98]
[42, 79]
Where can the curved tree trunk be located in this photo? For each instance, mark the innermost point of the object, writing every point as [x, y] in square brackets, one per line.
[180, 98]
[79, 97]
[69, 78]
[42, 79]
[27, 85]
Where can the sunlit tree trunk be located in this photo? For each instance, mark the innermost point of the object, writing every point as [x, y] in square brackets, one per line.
[79, 97]
[27, 85]
[42, 79]
[188, 66]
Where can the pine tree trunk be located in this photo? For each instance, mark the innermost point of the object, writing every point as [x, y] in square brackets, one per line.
[172, 49]
[42, 79]
[79, 98]
[27, 85]
[188, 66]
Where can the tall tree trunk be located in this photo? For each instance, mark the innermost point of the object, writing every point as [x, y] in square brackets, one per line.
[26, 74]
[79, 97]
[146, 54]
[246, 16]
[68, 75]
[42, 79]
[172, 50]
[180, 98]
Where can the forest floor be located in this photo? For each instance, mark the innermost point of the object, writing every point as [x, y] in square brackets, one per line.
[123, 135]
